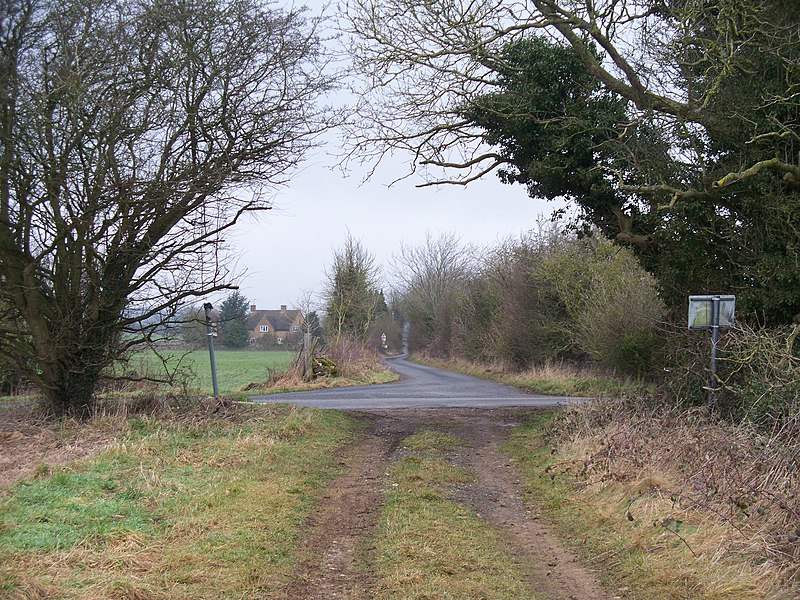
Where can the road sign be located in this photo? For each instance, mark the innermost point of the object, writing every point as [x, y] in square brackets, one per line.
[701, 311]
[711, 312]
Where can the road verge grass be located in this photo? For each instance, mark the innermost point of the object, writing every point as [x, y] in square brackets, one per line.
[552, 379]
[196, 505]
[287, 382]
[430, 546]
[644, 540]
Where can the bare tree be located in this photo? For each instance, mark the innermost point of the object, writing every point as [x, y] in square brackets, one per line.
[429, 277]
[133, 136]
[308, 303]
[423, 63]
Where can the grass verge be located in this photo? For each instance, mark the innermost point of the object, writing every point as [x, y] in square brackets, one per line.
[193, 506]
[556, 380]
[429, 546]
[647, 545]
[291, 383]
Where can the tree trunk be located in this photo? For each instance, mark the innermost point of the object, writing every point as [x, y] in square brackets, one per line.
[69, 381]
[72, 391]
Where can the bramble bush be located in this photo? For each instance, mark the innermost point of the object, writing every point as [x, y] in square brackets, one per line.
[758, 372]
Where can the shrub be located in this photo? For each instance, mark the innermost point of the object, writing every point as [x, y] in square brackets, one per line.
[758, 372]
[617, 324]
[529, 323]
[352, 358]
[548, 297]
[611, 302]
[267, 342]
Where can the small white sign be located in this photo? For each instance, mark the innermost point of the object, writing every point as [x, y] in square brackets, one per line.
[701, 311]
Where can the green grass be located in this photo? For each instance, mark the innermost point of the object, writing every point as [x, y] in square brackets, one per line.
[235, 368]
[430, 546]
[238, 369]
[57, 512]
[196, 507]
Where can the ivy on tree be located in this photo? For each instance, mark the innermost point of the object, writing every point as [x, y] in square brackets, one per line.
[671, 126]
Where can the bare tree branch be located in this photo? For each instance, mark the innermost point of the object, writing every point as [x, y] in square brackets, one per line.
[132, 138]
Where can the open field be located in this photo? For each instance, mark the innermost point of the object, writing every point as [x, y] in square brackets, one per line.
[252, 371]
[235, 368]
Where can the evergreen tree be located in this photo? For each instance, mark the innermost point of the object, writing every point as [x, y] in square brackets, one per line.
[233, 320]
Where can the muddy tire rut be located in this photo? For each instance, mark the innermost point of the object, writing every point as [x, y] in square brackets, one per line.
[336, 534]
[337, 537]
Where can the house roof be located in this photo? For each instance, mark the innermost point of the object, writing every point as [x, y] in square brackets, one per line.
[280, 320]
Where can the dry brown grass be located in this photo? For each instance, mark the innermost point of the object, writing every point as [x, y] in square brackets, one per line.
[353, 359]
[723, 499]
[355, 365]
[555, 378]
[29, 442]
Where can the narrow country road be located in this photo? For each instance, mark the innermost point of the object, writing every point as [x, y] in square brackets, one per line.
[420, 386]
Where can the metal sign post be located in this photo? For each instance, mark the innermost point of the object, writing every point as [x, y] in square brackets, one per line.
[712, 312]
[210, 335]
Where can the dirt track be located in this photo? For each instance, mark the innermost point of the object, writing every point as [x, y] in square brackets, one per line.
[337, 535]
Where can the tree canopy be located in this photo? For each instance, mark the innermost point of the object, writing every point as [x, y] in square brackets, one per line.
[673, 126]
[352, 297]
[132, 137]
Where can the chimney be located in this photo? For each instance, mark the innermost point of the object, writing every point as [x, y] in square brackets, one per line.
[252, 308]
[283, 307]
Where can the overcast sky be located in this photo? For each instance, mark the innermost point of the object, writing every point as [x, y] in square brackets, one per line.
[286, 250]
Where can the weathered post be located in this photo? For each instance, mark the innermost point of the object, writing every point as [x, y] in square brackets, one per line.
[308, 369]
[712, 394]
[210, 335]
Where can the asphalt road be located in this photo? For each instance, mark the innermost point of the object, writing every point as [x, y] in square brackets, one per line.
[419, 386]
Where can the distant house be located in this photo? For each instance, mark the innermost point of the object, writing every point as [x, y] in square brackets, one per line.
[278, 323]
